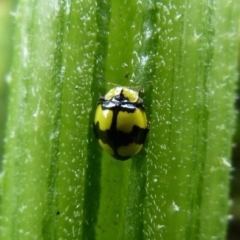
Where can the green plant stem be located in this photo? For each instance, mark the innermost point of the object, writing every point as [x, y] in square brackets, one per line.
[57, 183]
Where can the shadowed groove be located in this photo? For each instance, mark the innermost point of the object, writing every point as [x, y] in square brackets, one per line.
[93, 171]
[193, 226]
[49, 219]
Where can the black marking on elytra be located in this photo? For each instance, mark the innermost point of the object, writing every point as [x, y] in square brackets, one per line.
[115, 138]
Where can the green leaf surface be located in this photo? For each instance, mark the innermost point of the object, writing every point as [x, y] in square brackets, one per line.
[56, 181]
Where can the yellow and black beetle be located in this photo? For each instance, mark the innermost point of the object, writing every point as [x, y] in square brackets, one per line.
[120, 123]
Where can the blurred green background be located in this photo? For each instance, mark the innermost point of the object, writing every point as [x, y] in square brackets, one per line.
[6, 48]
[7, 9]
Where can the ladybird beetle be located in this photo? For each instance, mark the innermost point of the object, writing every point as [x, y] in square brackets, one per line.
[120, 123]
